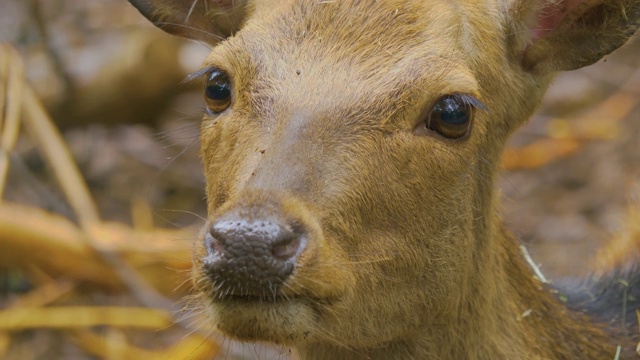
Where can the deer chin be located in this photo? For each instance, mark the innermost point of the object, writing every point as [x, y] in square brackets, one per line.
[279, 319]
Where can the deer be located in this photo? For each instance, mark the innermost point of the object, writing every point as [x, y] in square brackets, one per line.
[350, 150]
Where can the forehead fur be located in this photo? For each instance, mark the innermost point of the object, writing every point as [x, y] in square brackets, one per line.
[351, 42]
[353, 30]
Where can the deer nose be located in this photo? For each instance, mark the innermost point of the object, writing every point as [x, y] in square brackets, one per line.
[251, 258]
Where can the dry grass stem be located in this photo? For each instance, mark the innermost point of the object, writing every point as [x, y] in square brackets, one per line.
[57, 246]
[11, 86]
[82, 316]
[41, 128]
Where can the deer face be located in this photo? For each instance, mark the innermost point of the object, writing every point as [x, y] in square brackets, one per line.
[348, 161]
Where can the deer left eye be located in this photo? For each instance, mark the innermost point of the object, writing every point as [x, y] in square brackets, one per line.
[217, 92]
[451, 117]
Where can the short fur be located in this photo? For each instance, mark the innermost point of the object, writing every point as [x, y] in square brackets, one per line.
[406, 256]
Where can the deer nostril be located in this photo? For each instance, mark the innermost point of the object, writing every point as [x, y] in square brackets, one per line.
[213, 246]
[287, 248]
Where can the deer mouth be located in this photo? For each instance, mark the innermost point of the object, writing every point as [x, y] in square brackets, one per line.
[254, 299]
[277, 298]
[279, 319]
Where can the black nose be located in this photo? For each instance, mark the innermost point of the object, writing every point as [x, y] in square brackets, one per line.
[251, 258]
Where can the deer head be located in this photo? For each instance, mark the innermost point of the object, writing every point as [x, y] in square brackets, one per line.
[350, 150]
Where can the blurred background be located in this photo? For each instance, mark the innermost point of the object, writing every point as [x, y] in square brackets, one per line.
[103, 272]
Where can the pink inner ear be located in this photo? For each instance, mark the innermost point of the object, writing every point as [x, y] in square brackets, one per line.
[551, 15]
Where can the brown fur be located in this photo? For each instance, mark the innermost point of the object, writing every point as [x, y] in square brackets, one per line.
[406, 255]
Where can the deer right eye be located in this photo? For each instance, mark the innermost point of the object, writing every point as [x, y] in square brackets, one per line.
[217, 92]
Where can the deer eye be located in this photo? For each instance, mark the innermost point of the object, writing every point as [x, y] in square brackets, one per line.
[451, 116]
[217, 92]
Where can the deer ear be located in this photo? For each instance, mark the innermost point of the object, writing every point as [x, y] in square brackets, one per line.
[204, 20]
[557, 35]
